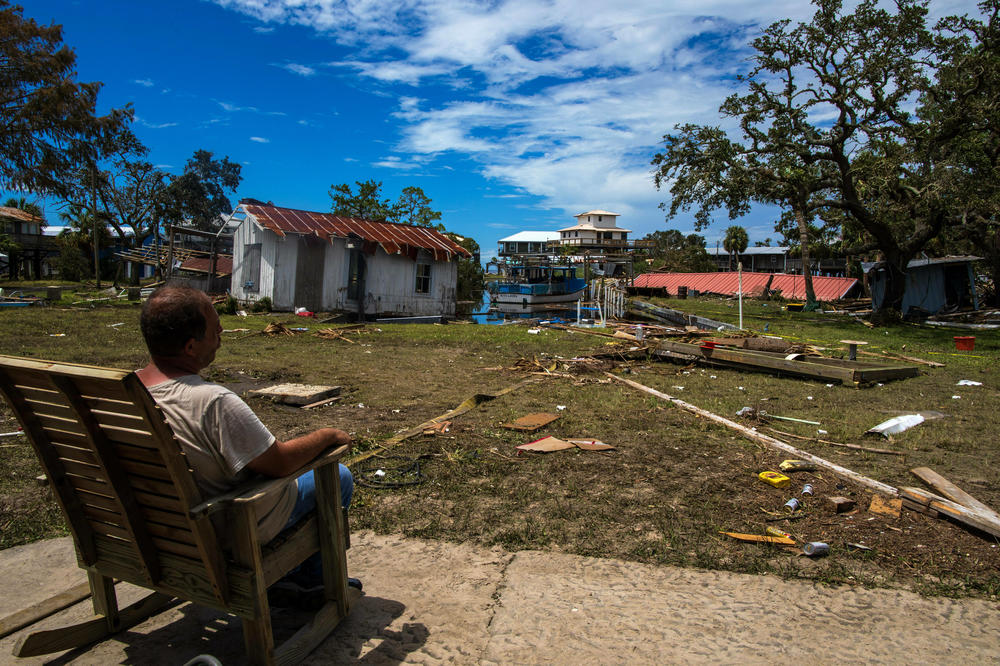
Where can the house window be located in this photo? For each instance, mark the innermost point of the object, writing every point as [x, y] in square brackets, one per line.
[354, 275]
[251, 267]
[423, 278]
[600, 218]
[576, 234]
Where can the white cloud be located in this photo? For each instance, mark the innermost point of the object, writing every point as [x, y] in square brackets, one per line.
[259, 139]
[234, 108]
[146, 83]
[146, 123]
[295, 68]
[566, 100]
[394, 162]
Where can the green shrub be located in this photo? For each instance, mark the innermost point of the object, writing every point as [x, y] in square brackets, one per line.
[261, 305]
[228, 306]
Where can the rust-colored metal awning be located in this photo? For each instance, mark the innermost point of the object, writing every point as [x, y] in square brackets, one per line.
[393, 238]
[791, 286]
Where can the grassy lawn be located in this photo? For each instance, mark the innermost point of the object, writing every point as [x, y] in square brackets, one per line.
[662, 496]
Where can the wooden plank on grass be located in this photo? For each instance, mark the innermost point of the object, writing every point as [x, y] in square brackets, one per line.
[760, 538]
[952, 492]
[764, 439]
[953, 510]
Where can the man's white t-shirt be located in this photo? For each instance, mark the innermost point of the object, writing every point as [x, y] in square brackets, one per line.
[220, 434]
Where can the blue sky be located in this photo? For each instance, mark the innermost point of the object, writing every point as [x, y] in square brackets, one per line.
[510, 114]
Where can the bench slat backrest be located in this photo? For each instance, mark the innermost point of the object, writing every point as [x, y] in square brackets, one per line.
[116, 470]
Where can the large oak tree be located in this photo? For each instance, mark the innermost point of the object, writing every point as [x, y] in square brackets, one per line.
[48, 120]
[827, 126]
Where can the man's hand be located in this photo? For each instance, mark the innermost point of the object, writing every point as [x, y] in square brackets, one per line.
[283, 458]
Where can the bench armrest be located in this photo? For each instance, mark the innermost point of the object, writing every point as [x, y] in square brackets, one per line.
[256, 488]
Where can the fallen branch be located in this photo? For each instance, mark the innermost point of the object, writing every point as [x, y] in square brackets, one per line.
[868, 449]
[465, 406]
[764, 439]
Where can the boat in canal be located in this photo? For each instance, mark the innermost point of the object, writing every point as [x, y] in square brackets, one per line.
[535, 285]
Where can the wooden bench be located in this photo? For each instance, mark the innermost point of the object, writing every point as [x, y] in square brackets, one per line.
[136, 515]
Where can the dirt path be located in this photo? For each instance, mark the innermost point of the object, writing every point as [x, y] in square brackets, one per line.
[431, 602]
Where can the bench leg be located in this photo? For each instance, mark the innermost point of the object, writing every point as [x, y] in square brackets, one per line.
[85, 633]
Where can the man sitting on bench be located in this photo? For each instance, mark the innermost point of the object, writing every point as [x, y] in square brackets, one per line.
[223, 439]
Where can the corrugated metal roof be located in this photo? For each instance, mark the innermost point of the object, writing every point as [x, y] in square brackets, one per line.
[223, 265]
[18, 214]
[791, 286]
[394, 238]
[867, 266]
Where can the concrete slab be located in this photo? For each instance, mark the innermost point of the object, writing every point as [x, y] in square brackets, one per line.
[432, 602]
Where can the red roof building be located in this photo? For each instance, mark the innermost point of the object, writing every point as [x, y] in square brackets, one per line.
[727, 284]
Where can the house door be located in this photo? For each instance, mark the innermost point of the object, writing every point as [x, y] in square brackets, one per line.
[309, 273]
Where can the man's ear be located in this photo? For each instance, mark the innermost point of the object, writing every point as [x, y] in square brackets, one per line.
[188, 348]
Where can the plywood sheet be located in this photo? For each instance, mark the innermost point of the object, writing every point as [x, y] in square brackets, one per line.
[297, 394]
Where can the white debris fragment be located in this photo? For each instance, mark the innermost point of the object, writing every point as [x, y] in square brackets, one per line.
[968, 382]
[896, 425]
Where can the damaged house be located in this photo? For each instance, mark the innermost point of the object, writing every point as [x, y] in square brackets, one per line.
[325, 262]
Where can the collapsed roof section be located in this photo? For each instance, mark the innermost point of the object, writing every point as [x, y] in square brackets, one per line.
[393, 238]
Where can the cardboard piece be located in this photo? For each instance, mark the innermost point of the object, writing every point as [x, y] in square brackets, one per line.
[531, 422]
[550, 444]
[886, 507]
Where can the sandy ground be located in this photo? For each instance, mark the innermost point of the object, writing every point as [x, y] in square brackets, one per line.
[431, 602]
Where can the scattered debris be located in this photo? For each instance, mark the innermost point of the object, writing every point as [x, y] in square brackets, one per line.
[858, 546]
[437, 428]
[840, 504]
[856, 447]
[297, 394]
[550, 444]
[774, 531]
[531, 422]
[935, 505]
[896, 425]
[855, 373]
[885, 507]
[277, 328]
[953, 492]
[775, 479]
[760, 538]
[797, 466]
[764, 439]
[968, 382]
[466, 405]
[815, 549]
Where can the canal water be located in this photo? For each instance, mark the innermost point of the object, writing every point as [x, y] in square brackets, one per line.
[490, 313]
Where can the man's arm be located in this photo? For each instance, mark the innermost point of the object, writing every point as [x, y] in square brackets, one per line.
[283, 458]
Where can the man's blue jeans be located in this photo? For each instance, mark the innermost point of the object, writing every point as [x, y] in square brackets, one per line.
[306, 501]
[310, 572]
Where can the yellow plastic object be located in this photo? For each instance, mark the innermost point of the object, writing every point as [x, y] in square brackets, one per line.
[775, 479]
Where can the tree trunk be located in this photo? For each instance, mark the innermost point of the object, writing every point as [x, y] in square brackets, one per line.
[891, 308]
[800, 219]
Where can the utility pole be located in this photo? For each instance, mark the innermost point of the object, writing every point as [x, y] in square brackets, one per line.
[97, 248]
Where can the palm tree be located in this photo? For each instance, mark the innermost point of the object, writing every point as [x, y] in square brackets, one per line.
[27, 206]
[736, 240]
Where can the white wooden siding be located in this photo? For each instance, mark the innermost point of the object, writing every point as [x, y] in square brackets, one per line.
[390, 281]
